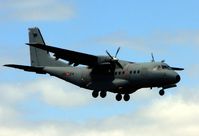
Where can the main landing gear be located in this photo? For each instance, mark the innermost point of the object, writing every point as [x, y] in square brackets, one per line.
[118, 97]
[126, 97]
[103, 94]
[96, 93]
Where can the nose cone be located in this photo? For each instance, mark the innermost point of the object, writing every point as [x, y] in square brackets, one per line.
[177, 78]
[172, 77]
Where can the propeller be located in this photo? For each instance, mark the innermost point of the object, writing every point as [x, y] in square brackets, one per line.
[153, 60]
[115, 59]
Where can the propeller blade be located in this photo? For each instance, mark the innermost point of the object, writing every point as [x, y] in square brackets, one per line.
[175, 68]
[109, 54]
[153, 60]
[117, 52]
[118, 64]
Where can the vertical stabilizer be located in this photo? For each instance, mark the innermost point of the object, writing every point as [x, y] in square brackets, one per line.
[39, 57]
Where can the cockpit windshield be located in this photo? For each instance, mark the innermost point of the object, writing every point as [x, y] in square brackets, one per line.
[165, 67]
[160, 67]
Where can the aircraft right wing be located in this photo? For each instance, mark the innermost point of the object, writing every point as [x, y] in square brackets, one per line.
[38, 70]
[68, 55]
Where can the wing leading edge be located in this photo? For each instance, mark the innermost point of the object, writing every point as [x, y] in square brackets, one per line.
[68, 55]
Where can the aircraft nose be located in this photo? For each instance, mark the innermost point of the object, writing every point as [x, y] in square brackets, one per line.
[177, 78]
[173, 77]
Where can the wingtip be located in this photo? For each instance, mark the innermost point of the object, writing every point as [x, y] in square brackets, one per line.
[176, 68]
[8, 65]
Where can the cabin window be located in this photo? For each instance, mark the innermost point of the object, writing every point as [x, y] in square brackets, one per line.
[130, 72]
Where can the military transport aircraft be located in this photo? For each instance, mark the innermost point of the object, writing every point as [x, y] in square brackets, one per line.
[101, 74]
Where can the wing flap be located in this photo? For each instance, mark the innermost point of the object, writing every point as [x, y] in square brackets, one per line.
[38, 70]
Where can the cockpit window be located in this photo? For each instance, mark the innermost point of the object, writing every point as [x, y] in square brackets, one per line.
[159, 67]
[165, 67]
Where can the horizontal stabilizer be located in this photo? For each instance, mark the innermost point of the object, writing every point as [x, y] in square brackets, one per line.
[38, 70]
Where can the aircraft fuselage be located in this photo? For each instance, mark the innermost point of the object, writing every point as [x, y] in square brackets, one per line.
[127, 80]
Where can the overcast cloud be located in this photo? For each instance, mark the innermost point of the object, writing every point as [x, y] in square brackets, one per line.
[50, 91]
[169, 116]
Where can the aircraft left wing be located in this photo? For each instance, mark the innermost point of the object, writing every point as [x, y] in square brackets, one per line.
[68, 55]
[38, 70]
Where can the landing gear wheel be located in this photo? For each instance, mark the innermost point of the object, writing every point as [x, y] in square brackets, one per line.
[161, 92]
[118, 97]
[95, 94]
[103, 94]
[126, 97]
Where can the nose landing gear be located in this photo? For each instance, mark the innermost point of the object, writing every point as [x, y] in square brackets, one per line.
[161, 92]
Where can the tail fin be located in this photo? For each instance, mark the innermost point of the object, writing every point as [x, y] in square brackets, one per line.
[39, 57]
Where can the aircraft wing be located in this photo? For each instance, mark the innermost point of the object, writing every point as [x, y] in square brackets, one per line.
[38, 70]
[68, 55]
